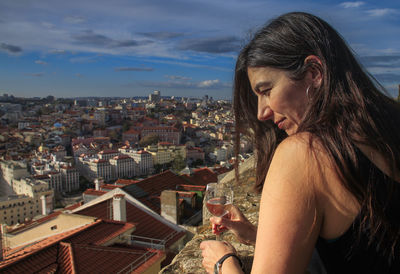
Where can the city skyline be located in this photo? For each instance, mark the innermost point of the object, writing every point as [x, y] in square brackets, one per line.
[131, 48]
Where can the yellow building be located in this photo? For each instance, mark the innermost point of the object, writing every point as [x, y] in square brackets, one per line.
[33, 198]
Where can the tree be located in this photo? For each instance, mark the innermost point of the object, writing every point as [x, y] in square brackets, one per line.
[198, 162]
[179, 163]
[149, 140]
[125, 126]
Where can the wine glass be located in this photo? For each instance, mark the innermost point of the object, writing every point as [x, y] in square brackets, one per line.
[218, 200]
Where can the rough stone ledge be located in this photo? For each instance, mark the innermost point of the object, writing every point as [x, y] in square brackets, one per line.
[189, 258]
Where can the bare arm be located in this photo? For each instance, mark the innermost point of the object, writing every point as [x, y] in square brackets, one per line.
[290, 217]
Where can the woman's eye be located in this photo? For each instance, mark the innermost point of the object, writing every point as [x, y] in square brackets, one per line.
[265, 91]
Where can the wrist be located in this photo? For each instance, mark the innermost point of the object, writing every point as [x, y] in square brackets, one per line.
[231, 265]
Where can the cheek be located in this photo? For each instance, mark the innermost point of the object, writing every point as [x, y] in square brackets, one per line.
[280, 103]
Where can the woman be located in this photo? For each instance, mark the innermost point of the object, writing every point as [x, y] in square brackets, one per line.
[328, 155]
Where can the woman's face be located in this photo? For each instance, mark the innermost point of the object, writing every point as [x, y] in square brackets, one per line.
[280, 98]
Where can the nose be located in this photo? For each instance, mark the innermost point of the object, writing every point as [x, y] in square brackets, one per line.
[264, 111]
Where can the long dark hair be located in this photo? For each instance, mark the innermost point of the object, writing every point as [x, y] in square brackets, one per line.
[349, 107]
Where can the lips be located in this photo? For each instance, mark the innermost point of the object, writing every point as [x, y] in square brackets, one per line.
[280, 123]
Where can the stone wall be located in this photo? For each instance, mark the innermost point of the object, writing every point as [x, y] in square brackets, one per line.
[189, 259]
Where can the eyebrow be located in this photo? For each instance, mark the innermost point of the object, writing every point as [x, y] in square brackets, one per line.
[261, 84]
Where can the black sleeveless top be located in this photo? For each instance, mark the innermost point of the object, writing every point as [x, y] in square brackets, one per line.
[350, 253]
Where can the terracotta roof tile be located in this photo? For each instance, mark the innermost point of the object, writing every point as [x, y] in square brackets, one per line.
[89, 259]
[202, 177]
[91, 191]
[70, 255]
[146, 224]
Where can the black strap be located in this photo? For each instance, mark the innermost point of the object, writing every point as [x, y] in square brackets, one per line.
[218, 264]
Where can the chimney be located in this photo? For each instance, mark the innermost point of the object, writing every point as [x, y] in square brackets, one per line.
[2, 234]
[44, 204]
[98, 182]
[170, 206]
[119, 207]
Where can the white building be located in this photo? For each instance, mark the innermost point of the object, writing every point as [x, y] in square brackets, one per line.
[107, 154]
[93, 168]
[144, 161]
[70, 178]
[123, 166]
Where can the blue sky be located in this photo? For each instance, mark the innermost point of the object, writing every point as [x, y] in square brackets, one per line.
[181, 47]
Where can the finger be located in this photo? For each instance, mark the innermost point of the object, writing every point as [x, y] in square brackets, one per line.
[203, 245]
[216, 220]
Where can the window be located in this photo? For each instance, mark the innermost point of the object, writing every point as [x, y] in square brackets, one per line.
[54, 227]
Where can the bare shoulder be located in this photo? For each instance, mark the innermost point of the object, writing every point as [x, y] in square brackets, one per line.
[302, 163]
[302, 150]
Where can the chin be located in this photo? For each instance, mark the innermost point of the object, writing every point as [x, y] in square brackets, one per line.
[290, 131]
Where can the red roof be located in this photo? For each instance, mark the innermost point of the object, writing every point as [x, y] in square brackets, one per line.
[94, 192]
[80, 251]
[100, 161]
[221, 170]
[108, 151]
[39, 177]
[165, 143]
[121, 157]
[131, 131]
[87, 141]
[146, 224]
[108, 186]
[125, 182]
[192, 187]
[166, 180]
[202, 177]
[160, 128]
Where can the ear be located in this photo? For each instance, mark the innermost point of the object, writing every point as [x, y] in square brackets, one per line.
[315, 67]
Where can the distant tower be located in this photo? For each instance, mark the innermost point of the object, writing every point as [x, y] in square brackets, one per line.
[155, 96]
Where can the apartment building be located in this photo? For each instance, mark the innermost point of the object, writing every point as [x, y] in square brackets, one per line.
[70, 178]
[93, 168]
[33, 198]
[144, 160]
[123, 166]
[107, 154]
[13, 170]
[165, 134]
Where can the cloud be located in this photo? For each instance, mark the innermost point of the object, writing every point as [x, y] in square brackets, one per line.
[40, 62]
[356, 4]
[39, 74]
[177, 77]
[85, 59]
[10, 48]
[78, 75]
[211, 45]
[387, 77]
[162, 35]
[185, 84]
[386, 61]
[58, 51]
[381, 12]
[133, 69]
[89, 37]
[208, 83]
[48, 25]
[75, 19]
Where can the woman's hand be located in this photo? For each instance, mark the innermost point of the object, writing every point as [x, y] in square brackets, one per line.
[212, 251]
[235, 221]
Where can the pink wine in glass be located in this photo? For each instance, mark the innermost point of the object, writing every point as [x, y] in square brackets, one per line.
[218, 206]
